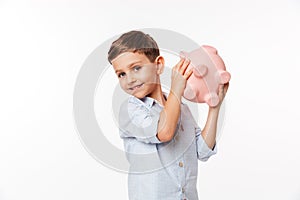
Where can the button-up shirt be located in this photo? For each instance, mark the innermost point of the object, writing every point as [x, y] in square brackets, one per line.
[160, 170]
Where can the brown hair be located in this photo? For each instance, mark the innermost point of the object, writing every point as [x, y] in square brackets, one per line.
[136, 42]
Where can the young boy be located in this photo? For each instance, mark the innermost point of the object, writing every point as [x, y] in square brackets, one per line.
[161, 138]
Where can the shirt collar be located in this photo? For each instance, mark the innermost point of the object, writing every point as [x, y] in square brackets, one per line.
[148, 101]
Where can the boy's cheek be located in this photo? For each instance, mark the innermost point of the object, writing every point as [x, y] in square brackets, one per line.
[122, 85]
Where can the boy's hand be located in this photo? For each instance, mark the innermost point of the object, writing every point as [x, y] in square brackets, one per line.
[222, 93]
[180, 77]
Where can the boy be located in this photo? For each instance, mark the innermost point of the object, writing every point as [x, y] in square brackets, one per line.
[161, 138]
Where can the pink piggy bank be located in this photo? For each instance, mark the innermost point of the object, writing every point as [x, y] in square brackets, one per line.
[209, 72]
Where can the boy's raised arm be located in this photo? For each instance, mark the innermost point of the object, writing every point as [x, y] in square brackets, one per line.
[210, 129]
[170, 114]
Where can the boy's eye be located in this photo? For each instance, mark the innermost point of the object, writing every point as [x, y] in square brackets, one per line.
[136, 68]
[120, 75]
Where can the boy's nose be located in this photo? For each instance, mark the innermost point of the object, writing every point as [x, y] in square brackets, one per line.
[131, 79]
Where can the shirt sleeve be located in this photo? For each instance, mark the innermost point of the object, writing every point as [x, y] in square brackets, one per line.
[203, 151]
[138, 121]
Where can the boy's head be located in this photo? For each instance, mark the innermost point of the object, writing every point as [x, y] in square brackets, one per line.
[135, 42]
[137, 63]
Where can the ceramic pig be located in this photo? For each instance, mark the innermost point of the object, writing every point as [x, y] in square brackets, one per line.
[209, 72]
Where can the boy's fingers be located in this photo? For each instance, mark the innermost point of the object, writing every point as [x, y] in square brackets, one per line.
[221, 89]
[188, 74]
[179, 64]
[184, 66]
[226, 87]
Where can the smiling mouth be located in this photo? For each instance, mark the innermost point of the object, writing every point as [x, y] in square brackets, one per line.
[136, 87]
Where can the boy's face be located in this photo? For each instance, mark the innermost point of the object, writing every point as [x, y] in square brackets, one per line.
[137, 75]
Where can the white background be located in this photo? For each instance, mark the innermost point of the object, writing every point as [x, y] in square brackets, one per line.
[44, 43]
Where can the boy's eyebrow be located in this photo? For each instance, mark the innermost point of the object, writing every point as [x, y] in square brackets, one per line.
[130, 65]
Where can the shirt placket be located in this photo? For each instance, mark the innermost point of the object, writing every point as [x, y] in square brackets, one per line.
[181, 164]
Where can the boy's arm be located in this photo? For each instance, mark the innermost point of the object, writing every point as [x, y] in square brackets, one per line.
[168, 118]
[210, 129]
[170, 114]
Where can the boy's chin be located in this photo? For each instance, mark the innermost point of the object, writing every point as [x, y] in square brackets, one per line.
[138, 95]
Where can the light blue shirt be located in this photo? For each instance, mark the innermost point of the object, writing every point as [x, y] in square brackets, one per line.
[161, 171]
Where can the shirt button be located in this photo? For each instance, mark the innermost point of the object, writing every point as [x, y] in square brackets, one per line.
[182, 190]
[180, 164]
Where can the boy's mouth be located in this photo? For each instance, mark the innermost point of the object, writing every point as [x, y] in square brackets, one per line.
[136, 87]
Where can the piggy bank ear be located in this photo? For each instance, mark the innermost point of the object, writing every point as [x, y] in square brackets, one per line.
[183, 54]
[210, 49]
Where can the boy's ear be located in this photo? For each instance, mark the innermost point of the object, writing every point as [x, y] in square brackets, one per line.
[160, 64]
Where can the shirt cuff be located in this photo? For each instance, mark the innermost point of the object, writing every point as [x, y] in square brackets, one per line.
[203, 151]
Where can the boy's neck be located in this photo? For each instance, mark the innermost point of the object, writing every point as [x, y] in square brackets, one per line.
[162, 100]
[158, 96]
